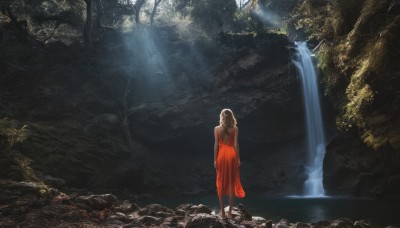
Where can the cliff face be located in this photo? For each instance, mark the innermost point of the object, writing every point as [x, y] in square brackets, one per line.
[61, 106]
[359, 63]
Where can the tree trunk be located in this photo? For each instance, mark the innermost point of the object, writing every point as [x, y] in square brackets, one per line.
[88, 24]
[154, 11]
[123, 114]
[137, 7]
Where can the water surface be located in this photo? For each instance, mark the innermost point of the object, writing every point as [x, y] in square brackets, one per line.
[379, 212]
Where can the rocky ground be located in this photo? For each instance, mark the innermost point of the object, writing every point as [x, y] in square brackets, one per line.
[29, 204]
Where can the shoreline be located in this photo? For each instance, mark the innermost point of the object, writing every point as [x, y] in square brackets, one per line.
[27, 204]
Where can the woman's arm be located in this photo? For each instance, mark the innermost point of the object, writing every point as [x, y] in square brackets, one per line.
[216, 144]
[236, 144]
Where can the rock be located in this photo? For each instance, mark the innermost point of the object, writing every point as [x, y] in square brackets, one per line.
[342, 223]
[362, 224]
[127, 207]
[204, 220]
[301, 225]
[236, 214]
[74, 215]
[114, 222]
[98, 202]
[162, 214]
[321, 224]
[283, 223]
[180, 212]
[184, 207]
[48, 20]
[197, 209]
[248, 224]
[149, 220]
[120, 216]
[133, 224]
[152, 209]
[83, 206]
[268, 224]
[170, 222]
[258, 220]
[243, 211]
[53, 181]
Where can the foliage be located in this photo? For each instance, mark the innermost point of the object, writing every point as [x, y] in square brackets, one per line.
[12, 135]
[213, 15]
[361, 64]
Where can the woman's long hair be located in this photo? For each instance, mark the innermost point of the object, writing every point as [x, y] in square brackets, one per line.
[227, 120]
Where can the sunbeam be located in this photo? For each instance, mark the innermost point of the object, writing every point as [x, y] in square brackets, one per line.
[149, 59]
[267, 16]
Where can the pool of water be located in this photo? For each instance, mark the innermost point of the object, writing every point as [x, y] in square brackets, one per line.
[379, 212]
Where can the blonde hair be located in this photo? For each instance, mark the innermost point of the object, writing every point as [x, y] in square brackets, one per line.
[227, 119]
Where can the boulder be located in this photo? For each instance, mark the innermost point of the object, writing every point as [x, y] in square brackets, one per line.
[362, 224]
[153, 209]
[185, 206]
[342, 223]
[127, 207]
[258, 220]
[302, 225]
[236, 213]
[283, 223]
[268, 224]
[98, 202]
[147, 220]
[121, 217]
[321, 224]
[243, 211]
[204, 220]
[170, 222]
[196, 209]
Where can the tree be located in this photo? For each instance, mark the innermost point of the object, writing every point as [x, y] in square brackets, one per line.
[243, 4]
[137, 7]
[154, 11]
[213, 14]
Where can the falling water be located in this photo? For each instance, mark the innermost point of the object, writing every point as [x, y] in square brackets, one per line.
[315, 134]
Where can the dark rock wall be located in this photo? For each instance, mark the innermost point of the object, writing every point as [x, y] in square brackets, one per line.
[68, 97]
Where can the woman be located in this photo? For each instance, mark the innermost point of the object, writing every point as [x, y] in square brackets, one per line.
[227, 160]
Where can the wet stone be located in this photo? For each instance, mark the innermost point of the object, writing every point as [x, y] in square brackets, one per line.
[127, 207]
[302, 225]
[245, 213]
[258, 220]
[342, 223]
[362, 224]
[196, 209]
[149, 220]
[204, 220]
[184, 207]
[321, 224]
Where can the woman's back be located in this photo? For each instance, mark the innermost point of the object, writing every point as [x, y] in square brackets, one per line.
[226, 135]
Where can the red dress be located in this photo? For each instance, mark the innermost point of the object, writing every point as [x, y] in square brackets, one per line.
[227, 168]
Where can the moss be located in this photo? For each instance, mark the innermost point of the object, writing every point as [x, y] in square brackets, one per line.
[360, 70]
[12, 134]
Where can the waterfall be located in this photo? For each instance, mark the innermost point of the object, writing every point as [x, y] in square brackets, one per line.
[315, 133]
